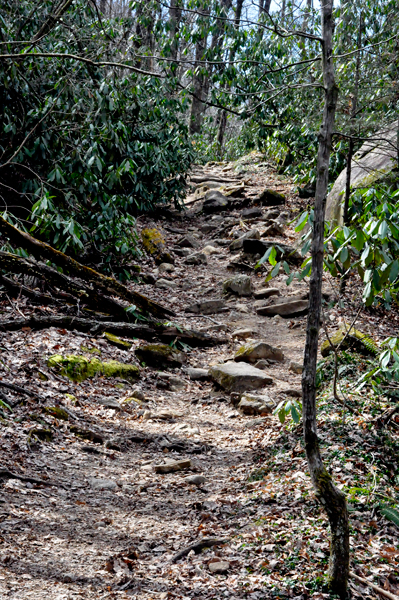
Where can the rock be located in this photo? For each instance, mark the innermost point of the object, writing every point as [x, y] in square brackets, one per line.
[165, 415]
[307, 191]
[173, 382]
[296, 367]
[166, 268]
[197, 374]
[242, 308]
[116, 341]
[109, 402]
[207, 307]
[251, 213]
[236, 265]
[166, 284]
[182, 252]
[264, 293]
[198, 258]
[261, 303]
[208, 227]
[272, 213]
[356, 341]
[262, 364]
[187, 241]
[137, 394]
[79, 368]
[275, 228]
[160, 355]
[239, 284]
[270, 198]
[102, 484]
[208, 250]
[239, 377]
[243, 334]
[214, 202]
[172, 466]
[283, 251]
[219, 567]
[374, 159]
[253, 234]
[253, 352]
[251, 405]
[57, 412]
[253, 423]
[293, 393]
[155, 245]
[287, 308]
[195, 479]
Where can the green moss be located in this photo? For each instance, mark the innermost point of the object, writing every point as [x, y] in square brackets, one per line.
[71, 397]
[115, 341]
[79, 368]
[244, 350]
[56, 411]
[356, 340]
[44, 435]
[154, 244]
[92, 350]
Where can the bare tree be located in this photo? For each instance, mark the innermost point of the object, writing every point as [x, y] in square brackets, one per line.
[331, 498]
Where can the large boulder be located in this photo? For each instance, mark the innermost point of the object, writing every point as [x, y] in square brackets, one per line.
[155, 245]
[270, 198]
[285, 308]
[252, 234]
[376, 158]
[253, 352]
[239, 377]
[214, 201]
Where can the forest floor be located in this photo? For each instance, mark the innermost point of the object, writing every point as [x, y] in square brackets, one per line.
[105, 524]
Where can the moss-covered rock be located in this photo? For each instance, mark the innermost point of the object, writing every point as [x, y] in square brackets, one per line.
[155, 245]
[79, 368]
[356, 341]
[57, 412]
[116, 341]
[160, 355]
[92, 350]
[253, 352]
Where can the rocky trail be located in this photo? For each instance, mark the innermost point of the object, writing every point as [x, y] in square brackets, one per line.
[174, 479]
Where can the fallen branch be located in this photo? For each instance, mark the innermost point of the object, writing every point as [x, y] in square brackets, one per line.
[19, 288]
[198, 546]
[374, 587]
[17, 388]
[108, 285]
[6, 474]
[148, 332]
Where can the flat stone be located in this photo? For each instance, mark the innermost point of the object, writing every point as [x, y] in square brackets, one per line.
[240, 284]
[254, 407]
[173, 381]
[109, 402]
[275, 228]
[289, 308]
[166, 268]
[195, 479]
[198, 258]
[243, 334]
[166, 284]
[207, 307]
[172, 466]
[219, 567]
[208, 227]
[187, 241]
[262, 364]
[251, 213]
[209, 250]
[264, 293]
[253, 423]
[239, 377]
[102, 484]
[197, 374]
[270, 198]
[237, 244]
[253, 352]
[296, 367]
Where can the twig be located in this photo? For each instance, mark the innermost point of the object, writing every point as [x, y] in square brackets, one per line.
[6, 474]
[197, 546]
[17, 388]
[374, 587]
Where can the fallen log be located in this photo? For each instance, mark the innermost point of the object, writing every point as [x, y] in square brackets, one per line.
[17, 264]
[148, 332]
[19, 288]
[108, 285]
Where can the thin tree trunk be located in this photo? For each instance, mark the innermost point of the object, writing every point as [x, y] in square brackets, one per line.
[331, 498]
[175, 12]
[197, 106]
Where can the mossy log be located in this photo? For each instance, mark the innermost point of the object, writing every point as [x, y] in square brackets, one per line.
[151, 332]
[107, 285]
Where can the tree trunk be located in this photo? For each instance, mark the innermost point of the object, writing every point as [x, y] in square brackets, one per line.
[332, 499]
[175, 12]
[197, 105]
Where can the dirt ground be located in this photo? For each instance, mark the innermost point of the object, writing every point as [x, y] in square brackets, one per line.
[104, 524]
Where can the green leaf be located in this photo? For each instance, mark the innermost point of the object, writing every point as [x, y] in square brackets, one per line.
[392, 514]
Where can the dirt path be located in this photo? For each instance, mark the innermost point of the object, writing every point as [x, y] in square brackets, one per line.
[110, 526]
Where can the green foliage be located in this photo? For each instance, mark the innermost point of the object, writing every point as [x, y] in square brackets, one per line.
[392, 514]
[103, 144]
[286, 407]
